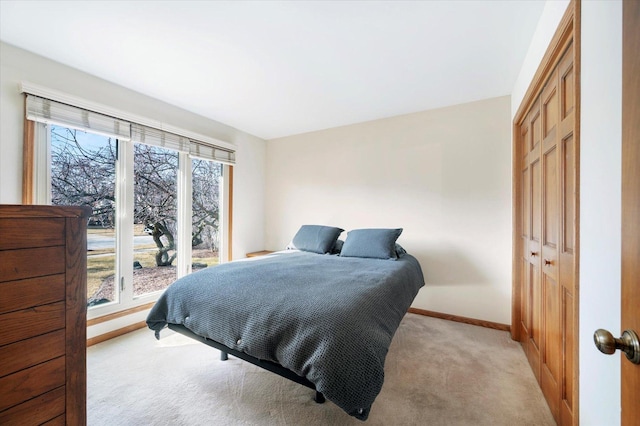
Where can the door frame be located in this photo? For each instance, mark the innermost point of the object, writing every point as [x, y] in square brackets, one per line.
[630, 208]
[568, 30]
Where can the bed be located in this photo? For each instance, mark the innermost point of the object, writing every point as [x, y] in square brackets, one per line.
[324, 320]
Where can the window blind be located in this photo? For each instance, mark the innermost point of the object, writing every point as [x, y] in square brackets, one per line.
[151, 136]
[212, 152]
[51, 112]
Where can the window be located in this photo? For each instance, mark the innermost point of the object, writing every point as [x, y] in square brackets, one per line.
[155, 218]
[205, 212]
[158, 198]
[83, 173]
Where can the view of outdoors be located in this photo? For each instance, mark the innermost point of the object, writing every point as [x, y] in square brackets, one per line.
[155, 209]
[83, 172]
[205, 219]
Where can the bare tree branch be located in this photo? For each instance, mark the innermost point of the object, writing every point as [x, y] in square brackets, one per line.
[84, 174]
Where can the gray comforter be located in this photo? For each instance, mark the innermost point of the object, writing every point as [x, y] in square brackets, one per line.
[327, 318]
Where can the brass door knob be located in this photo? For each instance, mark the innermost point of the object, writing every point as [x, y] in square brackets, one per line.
[534, 253]
[628, 343]
[547, 262]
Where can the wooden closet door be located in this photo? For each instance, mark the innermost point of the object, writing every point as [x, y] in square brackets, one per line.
[546, 220]
[549, 198]
[567, 238]
[531, 322]
[552, 338]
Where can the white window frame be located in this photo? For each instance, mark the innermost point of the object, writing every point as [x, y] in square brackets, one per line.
[124, 196]
[124, 209]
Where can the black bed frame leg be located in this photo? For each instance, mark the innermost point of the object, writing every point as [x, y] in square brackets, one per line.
[319, 398]
[223, 356]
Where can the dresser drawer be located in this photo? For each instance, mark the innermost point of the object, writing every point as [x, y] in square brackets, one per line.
[26, 384]
[37, 410]
[27, 353]
[31, 232]
[20, 325]
[21, 294]
[28, 263]
[58, 421]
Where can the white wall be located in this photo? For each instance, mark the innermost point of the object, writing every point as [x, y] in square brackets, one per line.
[600, 207]
[546, 28]
[600, 199]
[442, 175]
[18, 65]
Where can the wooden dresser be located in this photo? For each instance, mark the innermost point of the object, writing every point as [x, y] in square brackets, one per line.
[43, 309]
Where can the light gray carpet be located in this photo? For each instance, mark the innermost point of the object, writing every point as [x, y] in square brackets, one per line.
[437, 373]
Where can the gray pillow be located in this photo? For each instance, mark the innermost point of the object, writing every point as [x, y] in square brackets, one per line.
[337, 247]
[372, 243]
[316, 238]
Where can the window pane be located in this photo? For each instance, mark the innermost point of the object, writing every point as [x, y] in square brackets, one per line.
[155, 218]
[83, 174]
[205, 237]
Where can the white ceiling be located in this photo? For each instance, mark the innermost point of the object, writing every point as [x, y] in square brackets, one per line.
[277, 68]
